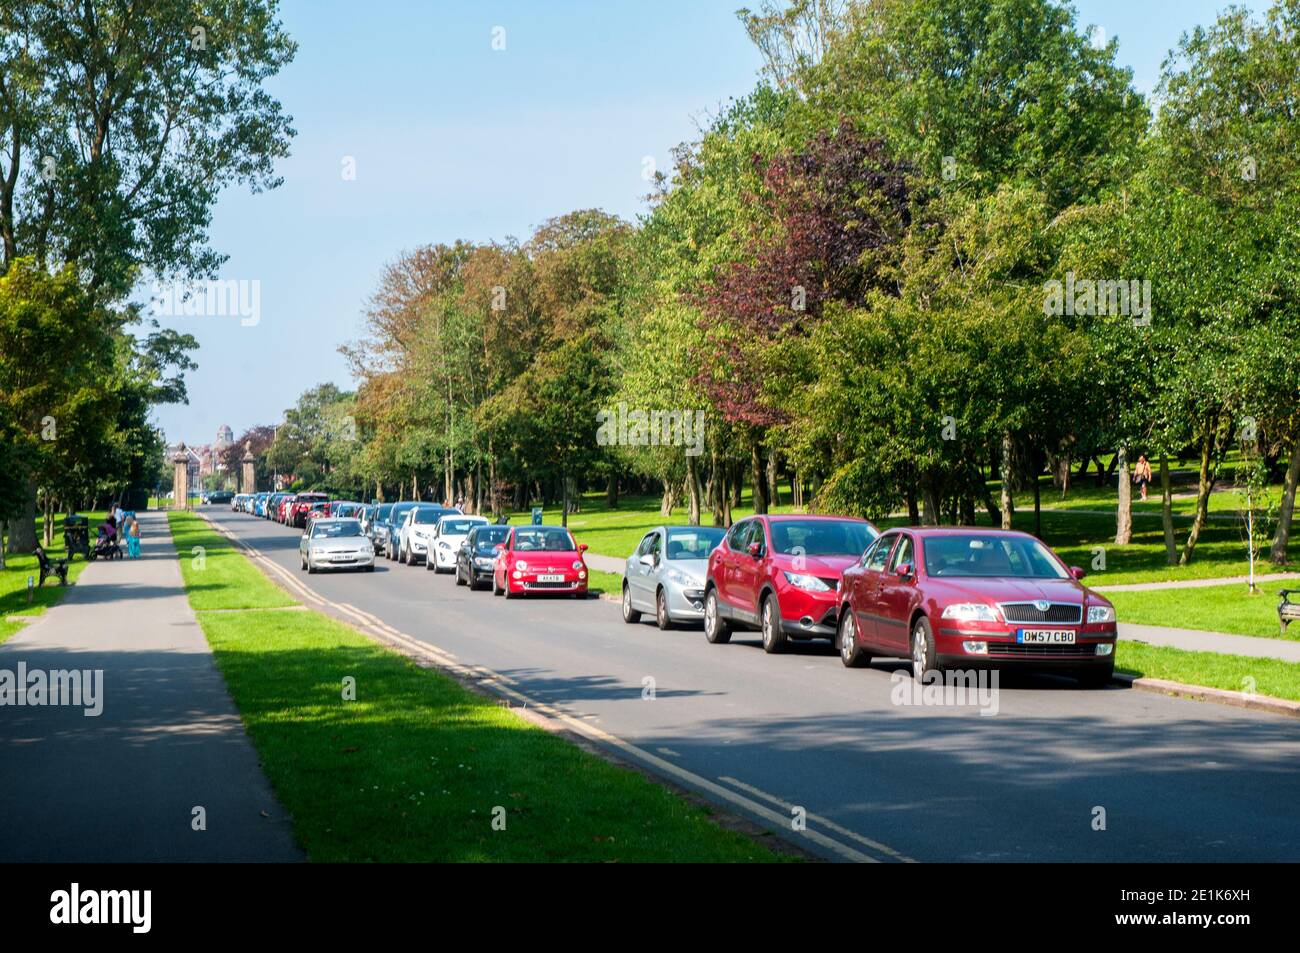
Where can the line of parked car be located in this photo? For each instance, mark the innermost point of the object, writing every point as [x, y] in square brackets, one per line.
[945, 598]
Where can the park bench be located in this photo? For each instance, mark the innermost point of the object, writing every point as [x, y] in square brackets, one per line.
[1287, 611]
[59, 567]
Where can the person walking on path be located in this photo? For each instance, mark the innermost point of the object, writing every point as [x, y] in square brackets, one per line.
[1142, 475]
[133, 538]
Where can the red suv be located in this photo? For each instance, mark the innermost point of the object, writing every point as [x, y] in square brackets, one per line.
[781, 575]
[974, 598]
[302, 505]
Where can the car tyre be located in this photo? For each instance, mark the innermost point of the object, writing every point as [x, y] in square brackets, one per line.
[923, 649]
[311, 570]
[630, 616]
[662, 618]
[774, 639]
[717, 630]
[459, 580]
[846, 640]
[303, 560]
[496, 590]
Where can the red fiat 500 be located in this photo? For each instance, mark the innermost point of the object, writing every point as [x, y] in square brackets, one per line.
[539, 559]
[967, 598]
[781, 575]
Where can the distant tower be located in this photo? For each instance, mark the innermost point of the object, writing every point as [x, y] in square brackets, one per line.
[225, 437]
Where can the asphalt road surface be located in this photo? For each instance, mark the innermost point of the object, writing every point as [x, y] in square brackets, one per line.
[824, 754]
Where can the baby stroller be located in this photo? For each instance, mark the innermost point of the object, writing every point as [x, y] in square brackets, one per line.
[106, 545]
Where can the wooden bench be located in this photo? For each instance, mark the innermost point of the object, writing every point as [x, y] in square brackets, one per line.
[59, 567]
[1287, 611]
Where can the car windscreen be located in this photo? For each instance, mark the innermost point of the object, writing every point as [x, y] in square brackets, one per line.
[458, 527]
[428, 516]
[543, 539]
[694, 543]
[990, 556]
[398, 512]
[821, 537]
[488, 537]
[331, 530]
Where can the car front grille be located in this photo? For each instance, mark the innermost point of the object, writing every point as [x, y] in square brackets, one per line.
[1028, 612]
[1088, 650]
[550, 585]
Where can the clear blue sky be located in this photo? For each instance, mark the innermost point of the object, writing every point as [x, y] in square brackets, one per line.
[453, 139]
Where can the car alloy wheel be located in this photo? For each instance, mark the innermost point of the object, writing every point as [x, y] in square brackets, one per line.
[922, 650]
[716, 629]
[847, 639]
[774, 640]
[630, 615]
[662, 618]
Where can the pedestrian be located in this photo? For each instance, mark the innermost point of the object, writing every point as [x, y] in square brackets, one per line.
[133, 537]
[119, 517]
[1142, 475]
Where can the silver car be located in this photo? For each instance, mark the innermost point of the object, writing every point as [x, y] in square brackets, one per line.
[665, 575]
[333, 543]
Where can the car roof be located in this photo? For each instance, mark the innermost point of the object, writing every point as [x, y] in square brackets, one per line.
[788, 517]
[964, 531]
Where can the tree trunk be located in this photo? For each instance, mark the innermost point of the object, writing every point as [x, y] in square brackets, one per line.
[693, 490]
[1004, 472]
[1124, 510]
[22, 530]
[1167, 511]
[1038, 506]
[773, 488]
[913, 508]
[611, 491]
[757, 476]
[1205, 482]
[734, 485]
[1286, 511]
[930, 499]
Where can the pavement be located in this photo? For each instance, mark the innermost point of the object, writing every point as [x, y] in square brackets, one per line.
[123, 785]
[1196, 640]
[879, 773]
[1197, 583]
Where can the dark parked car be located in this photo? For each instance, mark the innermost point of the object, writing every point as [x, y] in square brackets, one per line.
[781, 575]
[968, 598]
[476, 555]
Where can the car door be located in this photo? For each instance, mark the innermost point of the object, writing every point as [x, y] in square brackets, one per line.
[638, 572]
[868, 588]
[894, 596]
[750, 569]
[725, 574]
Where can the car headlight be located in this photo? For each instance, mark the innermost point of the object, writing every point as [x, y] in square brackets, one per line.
[522, 565]
[685, 580]
[577, 564]
[970, 612]
[804, 581]
[1101, 614]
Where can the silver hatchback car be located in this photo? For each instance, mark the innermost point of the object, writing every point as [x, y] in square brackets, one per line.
[665, 575]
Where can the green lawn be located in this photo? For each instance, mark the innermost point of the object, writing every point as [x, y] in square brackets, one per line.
[13, 579]
[1271, 677]
[218, 576]
[417, 768]
[1232, 608]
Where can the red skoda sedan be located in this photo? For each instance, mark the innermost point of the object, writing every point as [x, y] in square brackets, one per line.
[967, 598]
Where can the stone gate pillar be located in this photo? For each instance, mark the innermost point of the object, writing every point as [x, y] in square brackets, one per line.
[248, 481]
[181, 480]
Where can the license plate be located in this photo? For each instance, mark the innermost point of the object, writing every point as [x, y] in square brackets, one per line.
[551, 577]
[1045, 637]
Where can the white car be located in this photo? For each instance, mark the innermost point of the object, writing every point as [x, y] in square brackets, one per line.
[415, 532]
[332, 543]
[448, 534]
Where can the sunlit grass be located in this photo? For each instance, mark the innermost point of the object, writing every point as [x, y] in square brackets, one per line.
[1272, 677]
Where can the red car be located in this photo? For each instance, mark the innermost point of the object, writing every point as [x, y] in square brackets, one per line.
[539, 559]
[302, 505]
[781, 575]
[283, 508]
[974, 598]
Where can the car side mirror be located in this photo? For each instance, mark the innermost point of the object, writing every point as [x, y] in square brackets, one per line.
[500, 547]
[647, 559]
[1077, 572]
[903, 570]
[756, 549]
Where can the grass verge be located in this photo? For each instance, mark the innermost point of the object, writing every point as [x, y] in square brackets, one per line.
[418, 768]
[1232, 608]
[13, 579]
[1239, 673]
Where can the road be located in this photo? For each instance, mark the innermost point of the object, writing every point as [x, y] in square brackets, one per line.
[779, 739]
